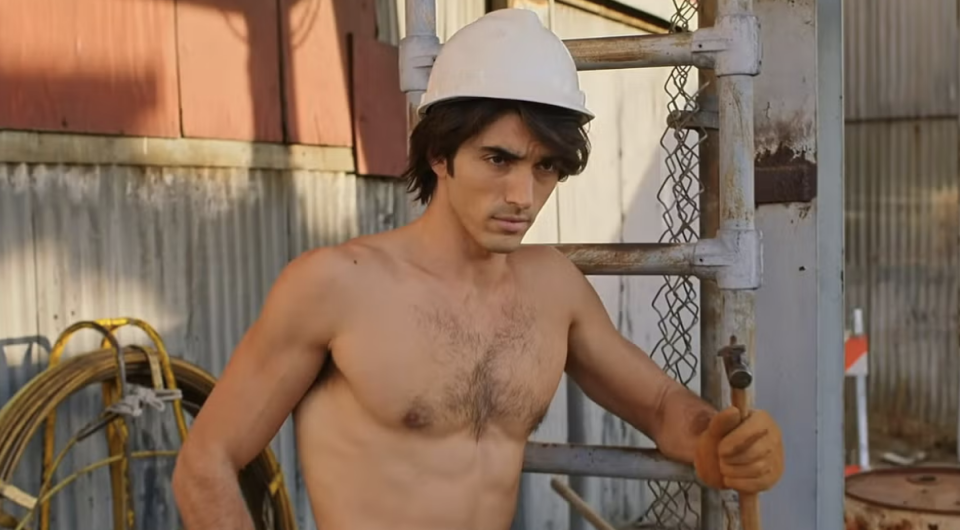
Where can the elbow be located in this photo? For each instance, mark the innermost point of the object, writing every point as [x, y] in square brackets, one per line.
[660, 426]
[681, 418]
[184, 473]
[197, 469]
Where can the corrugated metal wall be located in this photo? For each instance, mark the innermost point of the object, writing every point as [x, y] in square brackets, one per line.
[191, 251]
[902, 218]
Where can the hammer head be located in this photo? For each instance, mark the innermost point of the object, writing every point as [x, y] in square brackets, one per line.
[736, 366]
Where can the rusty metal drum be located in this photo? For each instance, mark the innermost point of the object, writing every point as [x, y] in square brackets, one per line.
[919, 498]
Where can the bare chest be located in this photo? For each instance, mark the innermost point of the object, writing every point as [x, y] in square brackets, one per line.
[442, 368]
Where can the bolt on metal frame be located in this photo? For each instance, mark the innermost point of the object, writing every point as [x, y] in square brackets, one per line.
[728, 255]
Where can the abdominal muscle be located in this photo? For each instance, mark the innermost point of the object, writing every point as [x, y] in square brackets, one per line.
[363, 474]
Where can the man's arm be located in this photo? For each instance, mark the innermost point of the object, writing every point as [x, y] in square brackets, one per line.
[726, 452]
[622, 378]
[273, 366]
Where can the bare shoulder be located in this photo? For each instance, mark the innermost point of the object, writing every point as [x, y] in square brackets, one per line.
[343, 271]
[551, 271]
[344, 260]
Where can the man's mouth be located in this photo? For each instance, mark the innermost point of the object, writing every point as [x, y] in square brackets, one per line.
[511, 223]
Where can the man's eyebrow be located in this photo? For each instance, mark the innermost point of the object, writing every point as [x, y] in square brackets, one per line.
[502, 151]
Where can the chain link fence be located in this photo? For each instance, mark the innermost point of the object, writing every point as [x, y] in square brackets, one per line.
[676, 505]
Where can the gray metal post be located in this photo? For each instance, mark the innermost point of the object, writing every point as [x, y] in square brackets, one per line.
[711, 508]
[737, 203]
[418, 49]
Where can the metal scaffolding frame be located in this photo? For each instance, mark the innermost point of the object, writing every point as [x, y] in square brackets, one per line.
[728, 256]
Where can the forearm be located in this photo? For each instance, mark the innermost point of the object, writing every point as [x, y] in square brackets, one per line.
[681, 418]
[208, 494]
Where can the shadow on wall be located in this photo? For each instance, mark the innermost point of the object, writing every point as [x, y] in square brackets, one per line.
[232, 69]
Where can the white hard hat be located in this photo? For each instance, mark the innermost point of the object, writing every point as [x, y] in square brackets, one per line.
[506, 54]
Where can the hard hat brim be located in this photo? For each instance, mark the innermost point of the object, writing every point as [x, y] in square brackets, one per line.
[583, 111]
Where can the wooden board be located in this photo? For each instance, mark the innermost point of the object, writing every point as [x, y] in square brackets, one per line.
[380, 119]
[230, 69]
[317, 74]
[92, 66]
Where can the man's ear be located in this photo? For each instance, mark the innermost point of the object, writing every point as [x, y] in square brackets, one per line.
[440, 168]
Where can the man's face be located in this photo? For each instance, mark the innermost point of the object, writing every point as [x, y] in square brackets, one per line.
[502, 177]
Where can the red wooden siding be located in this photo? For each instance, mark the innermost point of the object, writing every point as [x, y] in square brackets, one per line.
[380, 109]
[229, 69]
[317, 74]
[97, 66]
[299, 71]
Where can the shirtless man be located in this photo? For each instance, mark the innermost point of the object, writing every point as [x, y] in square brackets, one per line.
[417, 362]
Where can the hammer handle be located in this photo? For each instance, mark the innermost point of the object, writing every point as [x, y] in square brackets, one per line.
[749, 503]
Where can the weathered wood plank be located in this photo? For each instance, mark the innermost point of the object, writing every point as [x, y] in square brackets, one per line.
[316, 79]
[230, 69]
[380, 109]
[97, 66]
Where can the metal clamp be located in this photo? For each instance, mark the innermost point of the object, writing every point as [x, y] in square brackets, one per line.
[417, 54]
[746, 269]
[734, 43]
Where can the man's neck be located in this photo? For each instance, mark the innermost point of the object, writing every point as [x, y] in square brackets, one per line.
[447, 249]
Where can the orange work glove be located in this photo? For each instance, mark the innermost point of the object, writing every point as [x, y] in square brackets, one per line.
[744, 456]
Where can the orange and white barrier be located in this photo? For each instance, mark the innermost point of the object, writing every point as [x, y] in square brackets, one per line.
[856, 366]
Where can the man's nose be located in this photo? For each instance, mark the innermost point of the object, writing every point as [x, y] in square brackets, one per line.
[519, 192]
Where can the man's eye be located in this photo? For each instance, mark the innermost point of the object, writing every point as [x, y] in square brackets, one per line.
[496, 160]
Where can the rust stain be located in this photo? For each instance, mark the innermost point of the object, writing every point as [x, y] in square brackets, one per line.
[784, 175]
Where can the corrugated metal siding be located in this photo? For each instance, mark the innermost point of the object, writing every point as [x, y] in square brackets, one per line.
[902, 229]
[901, 59]
[902, 268]
[192, 251]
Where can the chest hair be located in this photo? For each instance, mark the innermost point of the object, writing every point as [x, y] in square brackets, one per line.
[487, 359]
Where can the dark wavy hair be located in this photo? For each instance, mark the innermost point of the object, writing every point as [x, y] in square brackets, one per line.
[449, 124]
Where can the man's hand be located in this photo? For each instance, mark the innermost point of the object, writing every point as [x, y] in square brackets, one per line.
[744, 456]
